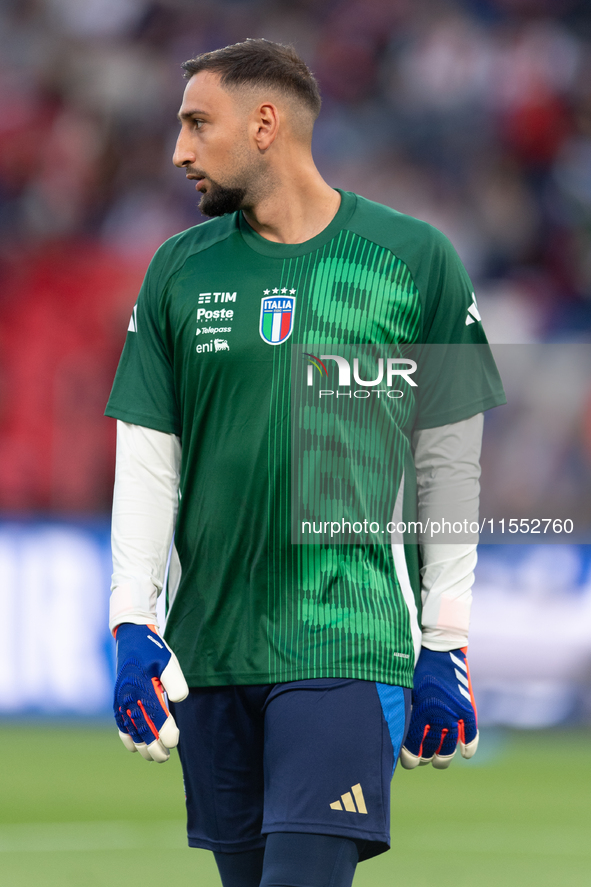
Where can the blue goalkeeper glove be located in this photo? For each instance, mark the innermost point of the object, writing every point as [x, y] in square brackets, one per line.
[146, 666]
[443, 711]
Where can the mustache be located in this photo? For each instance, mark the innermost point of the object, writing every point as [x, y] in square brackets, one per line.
[190, 170]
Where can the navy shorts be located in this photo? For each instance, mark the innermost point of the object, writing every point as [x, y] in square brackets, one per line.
[313, 756]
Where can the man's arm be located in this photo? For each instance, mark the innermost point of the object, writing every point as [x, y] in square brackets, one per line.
[447, 461]
[144, 515]
[145, 503]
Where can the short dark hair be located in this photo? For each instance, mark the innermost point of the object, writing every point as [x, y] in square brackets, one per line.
[259, 62]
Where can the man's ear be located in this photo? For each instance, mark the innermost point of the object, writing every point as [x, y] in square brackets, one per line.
[265, 125]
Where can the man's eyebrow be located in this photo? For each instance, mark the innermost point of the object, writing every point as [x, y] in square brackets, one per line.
[186, 115]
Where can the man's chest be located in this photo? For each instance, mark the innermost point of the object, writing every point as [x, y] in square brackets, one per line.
[250, 310]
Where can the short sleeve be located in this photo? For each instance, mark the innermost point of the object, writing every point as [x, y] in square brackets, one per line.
[457, 375]
[143, 392]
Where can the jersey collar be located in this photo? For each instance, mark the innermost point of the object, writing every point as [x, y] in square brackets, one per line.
[289, 250]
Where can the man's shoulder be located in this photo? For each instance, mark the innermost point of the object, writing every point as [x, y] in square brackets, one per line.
[409, 238]
[175, 251]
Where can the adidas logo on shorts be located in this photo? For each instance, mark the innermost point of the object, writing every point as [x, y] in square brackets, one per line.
[348, 802]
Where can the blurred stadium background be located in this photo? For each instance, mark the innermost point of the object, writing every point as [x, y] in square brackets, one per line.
[474, 115]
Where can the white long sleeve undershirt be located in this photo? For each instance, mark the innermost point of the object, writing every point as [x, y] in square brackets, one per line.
[447, 462]
[145, 506]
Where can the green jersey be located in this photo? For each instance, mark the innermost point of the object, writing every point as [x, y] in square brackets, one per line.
[208, 357]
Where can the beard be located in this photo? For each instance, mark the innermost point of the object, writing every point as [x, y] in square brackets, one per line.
[221, 199]
[245, 186]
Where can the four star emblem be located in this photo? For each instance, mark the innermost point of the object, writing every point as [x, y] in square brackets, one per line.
[276, 291]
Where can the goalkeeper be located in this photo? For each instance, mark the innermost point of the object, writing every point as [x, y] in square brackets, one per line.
[285, 672]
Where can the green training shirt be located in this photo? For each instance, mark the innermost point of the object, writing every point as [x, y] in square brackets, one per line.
[208, 357]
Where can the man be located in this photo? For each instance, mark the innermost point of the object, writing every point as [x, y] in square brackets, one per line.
[299, 657]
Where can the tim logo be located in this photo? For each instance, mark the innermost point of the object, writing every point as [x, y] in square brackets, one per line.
[221, 345]
[276, 319]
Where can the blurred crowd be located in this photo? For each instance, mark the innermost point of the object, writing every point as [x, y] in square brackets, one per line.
[474, 115]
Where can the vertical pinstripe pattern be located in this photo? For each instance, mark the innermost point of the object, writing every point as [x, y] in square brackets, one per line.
[337, 610]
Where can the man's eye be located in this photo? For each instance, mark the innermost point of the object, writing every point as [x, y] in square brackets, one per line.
[197, 123]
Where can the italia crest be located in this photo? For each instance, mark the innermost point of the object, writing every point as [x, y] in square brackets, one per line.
[277, 311]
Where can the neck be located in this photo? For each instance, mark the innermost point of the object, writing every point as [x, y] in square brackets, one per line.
[298, 207]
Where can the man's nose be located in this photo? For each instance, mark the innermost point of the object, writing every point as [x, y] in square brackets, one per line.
[183, 153]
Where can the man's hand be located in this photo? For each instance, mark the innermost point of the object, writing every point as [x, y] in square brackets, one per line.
[443, 711]
[146, 666]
